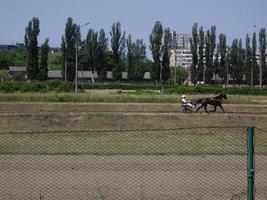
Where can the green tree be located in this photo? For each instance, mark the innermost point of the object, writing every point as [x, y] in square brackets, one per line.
[210, 71]
[216, 65]
[194, 47]
[155, 47]
[248, 60]
[241, 61]
[222, 48]
[210, 41]
[166, 55]
[20, 57]
[136, 56]
[55, 61]
[118, 48]
[262, 49]
[6, 59]
[101, 52]
[64, 58]
[236, 61]
[208, 62]
[44, 61]
[200, 67]
[70, 40]
[92, 48]
[31, 42]
[254, 64]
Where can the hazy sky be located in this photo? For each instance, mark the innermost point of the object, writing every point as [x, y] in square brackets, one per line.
[235, 18]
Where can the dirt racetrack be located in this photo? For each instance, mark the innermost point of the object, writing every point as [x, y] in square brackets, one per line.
[85, 116]
[128, 177]
[53, 177]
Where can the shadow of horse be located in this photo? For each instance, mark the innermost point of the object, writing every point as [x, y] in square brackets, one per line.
[214, 101]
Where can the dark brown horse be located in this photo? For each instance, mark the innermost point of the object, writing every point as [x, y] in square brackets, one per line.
[214, 101]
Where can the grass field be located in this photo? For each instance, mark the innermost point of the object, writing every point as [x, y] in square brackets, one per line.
[178, 142]
[101, 96]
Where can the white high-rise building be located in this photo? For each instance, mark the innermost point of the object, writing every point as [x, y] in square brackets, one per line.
[180, 51]
[181, 57]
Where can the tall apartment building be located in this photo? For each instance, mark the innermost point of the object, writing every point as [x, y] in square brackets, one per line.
[180, 51]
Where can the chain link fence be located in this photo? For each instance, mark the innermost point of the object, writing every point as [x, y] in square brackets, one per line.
[260, 163]
[185, 163]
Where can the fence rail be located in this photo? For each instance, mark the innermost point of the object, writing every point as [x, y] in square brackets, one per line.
[186, 163]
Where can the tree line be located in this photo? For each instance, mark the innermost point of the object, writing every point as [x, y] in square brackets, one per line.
[125, 54]
[211, 59]
[94, 55]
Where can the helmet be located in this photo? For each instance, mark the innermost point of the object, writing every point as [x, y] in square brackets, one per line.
[183, 96]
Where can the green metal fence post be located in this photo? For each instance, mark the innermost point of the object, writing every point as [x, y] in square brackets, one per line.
[250, 163]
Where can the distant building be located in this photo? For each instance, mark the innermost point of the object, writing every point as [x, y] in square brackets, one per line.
[11, 47]
[180, 41]
[18, 72]
[83, 76]
[180, 57]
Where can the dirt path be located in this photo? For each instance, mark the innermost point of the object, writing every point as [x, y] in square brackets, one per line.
[128, 177]
[35, 107]
[84, 116]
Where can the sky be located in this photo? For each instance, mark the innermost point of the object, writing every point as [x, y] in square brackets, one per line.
[235, 18]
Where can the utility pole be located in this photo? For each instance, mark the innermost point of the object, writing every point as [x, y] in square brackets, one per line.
[175, 57]
[76, 68]
[260, 63]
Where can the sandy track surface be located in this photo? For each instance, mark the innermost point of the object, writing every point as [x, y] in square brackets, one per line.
[29, 107]
[128, 177]
[92, 116]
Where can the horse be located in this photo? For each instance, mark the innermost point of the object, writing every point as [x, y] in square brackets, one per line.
[215, 101]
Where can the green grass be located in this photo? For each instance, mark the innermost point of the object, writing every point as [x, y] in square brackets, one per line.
[128, 143]
[121, 98]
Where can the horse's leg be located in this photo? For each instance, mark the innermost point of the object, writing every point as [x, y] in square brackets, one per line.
[214, 109]
[206, 108]
[222, 108]
[199, 107]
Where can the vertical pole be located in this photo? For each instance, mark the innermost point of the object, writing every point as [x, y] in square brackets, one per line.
[251, 75]
[76, 69]
[174, 70]
[65, 69]
[250, 163]
[260, 62]
[227, 76]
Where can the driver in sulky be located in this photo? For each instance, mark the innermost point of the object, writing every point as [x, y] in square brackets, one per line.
[186, 103]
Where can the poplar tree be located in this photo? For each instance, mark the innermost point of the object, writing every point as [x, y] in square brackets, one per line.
[101, 55]
[254, 64]
[248, 62]
[43, 70]
[166, 54]
[200, 67]
[222, 52]
[31, 42]
[262, 49]
[208, 65]
[194, 46]
[71, 38]
[155, 39]
[118, 43]
[136, 56]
